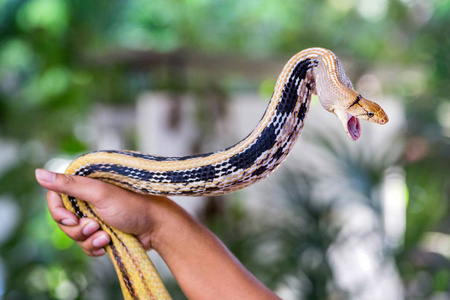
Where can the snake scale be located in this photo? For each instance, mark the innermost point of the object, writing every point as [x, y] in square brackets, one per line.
[311, 71]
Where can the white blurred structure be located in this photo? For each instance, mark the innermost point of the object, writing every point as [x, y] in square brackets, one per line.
[357, 258]
[358, 262]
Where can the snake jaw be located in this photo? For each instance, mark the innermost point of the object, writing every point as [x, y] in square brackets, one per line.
[350, 123]
[353, 127]
[360, 109]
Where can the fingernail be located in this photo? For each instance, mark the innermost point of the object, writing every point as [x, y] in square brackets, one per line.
[69, 222]
[44, 175]
[98, 252]
[90, 228]
[101, 241]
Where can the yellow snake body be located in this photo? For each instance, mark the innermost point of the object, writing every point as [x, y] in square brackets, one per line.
[311, 71]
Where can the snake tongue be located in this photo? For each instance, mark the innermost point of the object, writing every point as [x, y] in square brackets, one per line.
[354, 128]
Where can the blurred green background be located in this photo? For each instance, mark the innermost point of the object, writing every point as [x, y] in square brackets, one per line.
[59, 60]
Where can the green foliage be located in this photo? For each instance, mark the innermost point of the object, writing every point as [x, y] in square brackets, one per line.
[57, 63]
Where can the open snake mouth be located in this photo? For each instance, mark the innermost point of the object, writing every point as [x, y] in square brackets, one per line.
[354, 128]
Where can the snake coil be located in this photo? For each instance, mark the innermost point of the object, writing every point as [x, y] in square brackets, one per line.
[311, 71]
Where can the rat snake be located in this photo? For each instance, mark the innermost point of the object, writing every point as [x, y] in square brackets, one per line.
[311, 71]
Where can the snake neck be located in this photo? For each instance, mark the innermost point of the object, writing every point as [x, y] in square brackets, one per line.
[233, 168]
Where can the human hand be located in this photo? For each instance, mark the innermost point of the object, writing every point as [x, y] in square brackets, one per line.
[202, 265]
[137, 214]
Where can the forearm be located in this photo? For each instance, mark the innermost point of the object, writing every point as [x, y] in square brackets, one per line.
[202, 265]
[204, 268]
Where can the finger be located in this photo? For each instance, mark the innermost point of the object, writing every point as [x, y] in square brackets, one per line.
[58, 212]
[94, 245]
[84, 230]
[88, 189]
[98, 252]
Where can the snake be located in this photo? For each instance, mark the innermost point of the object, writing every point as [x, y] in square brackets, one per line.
[313, 71]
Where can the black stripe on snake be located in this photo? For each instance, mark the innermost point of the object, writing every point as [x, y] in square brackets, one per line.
[311, 71]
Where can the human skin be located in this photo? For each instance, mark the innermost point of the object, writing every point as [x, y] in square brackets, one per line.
[201, 264]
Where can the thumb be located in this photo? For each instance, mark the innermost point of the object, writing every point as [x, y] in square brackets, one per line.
[87, 189]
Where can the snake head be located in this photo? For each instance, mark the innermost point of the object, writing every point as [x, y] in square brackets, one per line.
[360, 109]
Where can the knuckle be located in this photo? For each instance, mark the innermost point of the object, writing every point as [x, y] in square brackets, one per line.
[100, 194]
[88, 252]
[56, 218]
[87, 245]
[102, 191]
[51, 206]
[75, 233]
[67, 179]
[98, 252]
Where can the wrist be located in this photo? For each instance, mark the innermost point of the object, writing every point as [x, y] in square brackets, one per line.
[163, 221]
[171, 228]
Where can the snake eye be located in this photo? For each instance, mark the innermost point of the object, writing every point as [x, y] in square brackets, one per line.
[370, 114]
